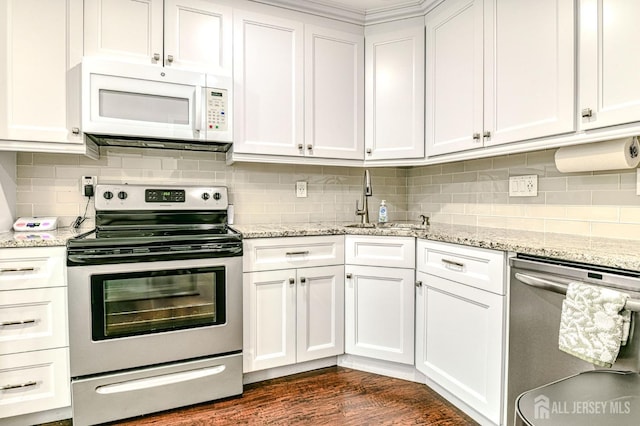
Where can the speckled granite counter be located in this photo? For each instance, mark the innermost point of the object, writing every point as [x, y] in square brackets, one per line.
[615, 253]
[58, 237]
[623, 254]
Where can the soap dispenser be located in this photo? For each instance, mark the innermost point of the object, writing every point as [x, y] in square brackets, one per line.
[382, 213]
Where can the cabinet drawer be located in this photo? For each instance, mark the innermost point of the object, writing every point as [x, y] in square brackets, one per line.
[32, 268]
[473, 266]
[394, 252]
[264, 254]
[33, 319]
[34, 381]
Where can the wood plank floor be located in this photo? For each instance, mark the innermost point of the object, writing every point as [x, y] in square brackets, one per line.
[329, 396]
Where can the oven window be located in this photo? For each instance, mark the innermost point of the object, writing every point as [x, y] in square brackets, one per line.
[130, 304]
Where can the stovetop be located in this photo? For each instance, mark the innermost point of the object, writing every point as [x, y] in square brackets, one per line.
[142, 223]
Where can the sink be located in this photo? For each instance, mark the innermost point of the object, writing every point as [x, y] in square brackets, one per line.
[388, 225]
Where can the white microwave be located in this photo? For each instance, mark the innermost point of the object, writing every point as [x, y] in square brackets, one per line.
[147, 105]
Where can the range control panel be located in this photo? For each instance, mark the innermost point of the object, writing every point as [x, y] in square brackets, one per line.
[217, 109]
[161, 197]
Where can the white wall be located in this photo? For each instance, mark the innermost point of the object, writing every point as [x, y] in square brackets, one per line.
[7, 190]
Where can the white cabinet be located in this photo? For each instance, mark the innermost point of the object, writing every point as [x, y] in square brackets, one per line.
[34, 344]
[394, 87]
[609, 63]
[295, 314]
[498, 71]
[299, 89]
[40, 44]
[191, 34]
[460, 314]
[379, 300]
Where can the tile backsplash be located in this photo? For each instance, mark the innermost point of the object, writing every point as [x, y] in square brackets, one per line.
[471, 192]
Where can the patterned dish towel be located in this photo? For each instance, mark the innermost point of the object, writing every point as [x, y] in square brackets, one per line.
[592, 327]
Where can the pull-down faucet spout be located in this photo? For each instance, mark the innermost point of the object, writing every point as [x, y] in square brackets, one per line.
[367, 191]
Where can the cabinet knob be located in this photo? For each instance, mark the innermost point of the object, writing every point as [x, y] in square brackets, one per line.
[309, 147]
[169, 59]
[303, 280]
[476, 137]
[369, 151]
[300, 146]
[292, 281]
[75, 130]
[156, 57]
[349, 276]
[418, 283]
[487, 134]
[587, 113]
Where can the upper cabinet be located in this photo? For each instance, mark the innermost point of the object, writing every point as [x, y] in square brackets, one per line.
[299, 89]
[498, 71]
[189, 34]
[40, 46]
[609, 63]
[394, 91]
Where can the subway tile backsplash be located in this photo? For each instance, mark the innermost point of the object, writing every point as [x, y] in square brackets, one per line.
[471, 192]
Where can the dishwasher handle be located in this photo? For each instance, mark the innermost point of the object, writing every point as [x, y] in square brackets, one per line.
[561, 288]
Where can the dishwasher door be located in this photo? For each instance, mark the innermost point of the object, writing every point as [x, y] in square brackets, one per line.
[534, 323]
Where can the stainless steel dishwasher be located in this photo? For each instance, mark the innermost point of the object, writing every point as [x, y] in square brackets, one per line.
[537, 288]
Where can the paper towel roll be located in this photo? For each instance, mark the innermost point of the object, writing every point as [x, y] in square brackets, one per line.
[608, 155]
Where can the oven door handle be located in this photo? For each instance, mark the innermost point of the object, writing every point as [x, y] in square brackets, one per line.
[154, 382]
[561, 288]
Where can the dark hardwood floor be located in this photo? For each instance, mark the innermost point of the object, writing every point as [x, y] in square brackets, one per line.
[330, 396]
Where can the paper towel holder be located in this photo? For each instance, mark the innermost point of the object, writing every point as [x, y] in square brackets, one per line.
[613, 154]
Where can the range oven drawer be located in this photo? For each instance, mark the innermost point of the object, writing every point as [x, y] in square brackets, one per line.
[134, 393]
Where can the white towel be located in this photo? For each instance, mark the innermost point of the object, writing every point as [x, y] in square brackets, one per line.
[592, 326]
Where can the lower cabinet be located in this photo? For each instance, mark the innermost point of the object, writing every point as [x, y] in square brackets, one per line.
[297, 314]
[379, 314]
[460, 311]
[379, 300]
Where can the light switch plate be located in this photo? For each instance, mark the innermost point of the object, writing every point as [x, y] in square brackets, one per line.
[523, 186]
[301, 189]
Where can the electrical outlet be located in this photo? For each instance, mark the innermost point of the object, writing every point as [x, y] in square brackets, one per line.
[301, 189]
[523, 186]
[87, 185]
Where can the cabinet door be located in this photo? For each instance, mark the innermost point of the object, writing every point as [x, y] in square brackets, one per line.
[124, 29]
[609, 63]
[529, 69]
[197, 35]
[379, 309]
[40, 44]
[268, 85]
[320, 307]
[454, 92]
[269, 319]
[334, 93]
[395, 94]
[460, 342]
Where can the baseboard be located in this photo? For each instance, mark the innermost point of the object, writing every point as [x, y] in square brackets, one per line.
[384, 368]
[287, 370]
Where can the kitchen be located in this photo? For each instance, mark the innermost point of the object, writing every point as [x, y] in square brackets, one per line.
[470, 189]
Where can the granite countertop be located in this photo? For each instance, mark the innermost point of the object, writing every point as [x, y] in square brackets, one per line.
[616, 253]
[58, 237]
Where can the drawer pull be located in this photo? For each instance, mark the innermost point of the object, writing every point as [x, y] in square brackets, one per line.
[19, 322]
[18, 386]
[28, 269]
[453, 263]
[298, 253]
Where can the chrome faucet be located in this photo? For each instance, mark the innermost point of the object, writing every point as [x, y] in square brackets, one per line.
[366, 192]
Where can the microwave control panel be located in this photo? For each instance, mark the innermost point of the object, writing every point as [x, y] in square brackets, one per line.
[217, 109]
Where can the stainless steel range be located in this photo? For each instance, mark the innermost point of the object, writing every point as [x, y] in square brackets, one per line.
[155, 302]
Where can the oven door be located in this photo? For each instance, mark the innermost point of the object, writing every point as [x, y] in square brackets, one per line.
[138, 314]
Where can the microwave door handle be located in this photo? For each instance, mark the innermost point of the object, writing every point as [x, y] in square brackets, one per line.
[198, 110]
